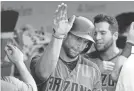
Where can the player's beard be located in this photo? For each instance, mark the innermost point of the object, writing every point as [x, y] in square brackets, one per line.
[70, 51]
[105, 47]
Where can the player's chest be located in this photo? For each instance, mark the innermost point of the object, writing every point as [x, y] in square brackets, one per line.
[79, 79]
[107, 83]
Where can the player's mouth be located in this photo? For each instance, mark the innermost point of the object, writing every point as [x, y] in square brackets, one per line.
[73, 51]
[99, 44]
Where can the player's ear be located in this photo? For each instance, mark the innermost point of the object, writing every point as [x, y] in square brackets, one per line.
[115, 35]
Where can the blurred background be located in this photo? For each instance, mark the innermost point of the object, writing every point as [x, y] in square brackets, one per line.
[28, 24]
[40, 13]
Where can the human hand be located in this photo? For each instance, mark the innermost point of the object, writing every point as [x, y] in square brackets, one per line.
[61, 23]
[14, 54]
[108, 65]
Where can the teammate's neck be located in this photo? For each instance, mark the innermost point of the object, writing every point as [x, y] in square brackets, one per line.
[110, 52]
[64, 56]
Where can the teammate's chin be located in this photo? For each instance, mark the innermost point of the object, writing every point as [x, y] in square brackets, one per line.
[100, 48]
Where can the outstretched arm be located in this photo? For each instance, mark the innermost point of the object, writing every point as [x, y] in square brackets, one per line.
[16, 56]
[47, 63]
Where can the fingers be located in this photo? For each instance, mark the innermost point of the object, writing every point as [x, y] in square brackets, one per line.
[56, 16]
[71, 20]
[109, 68]
[108, 65]
[60, 13]
[64, 12]
[9, 49]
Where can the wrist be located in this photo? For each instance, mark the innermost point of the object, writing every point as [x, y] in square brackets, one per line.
[59, 36]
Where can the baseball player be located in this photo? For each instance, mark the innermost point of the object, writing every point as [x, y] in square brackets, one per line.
[107, 53]
[62, 68]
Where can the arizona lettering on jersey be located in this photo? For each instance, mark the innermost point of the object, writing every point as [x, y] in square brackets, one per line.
[107, 80]
[107, 83]
[85, 76]
[55, 83]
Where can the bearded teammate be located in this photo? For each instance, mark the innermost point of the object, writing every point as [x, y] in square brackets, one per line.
[61, 68]
[106, 53]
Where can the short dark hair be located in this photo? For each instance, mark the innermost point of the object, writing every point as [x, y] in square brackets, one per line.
[124, 20]
[109, 19]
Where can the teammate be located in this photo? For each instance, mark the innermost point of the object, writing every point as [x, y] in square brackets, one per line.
[61, 68]
[10, 83]
[126, 78]
[106, 53]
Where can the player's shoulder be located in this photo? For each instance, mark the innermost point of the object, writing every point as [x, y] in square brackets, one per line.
[92, 55]
[89, 62]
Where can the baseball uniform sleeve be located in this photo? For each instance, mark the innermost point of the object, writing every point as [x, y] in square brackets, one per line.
[32, 68]
[20, 85]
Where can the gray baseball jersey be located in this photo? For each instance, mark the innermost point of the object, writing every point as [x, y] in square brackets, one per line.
[107, 82]
[85, 76]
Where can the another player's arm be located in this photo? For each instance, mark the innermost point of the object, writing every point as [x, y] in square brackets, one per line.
[125, 53]
[47, 63]
[16, 56]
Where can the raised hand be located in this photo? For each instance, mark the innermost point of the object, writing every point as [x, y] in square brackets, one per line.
[14, 54]
[61, 23]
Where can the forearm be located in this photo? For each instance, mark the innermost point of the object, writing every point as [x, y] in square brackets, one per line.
[26, 76]
[47, 64]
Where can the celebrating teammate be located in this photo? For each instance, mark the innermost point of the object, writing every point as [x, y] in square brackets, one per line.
[107, 53]
[61, 68]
